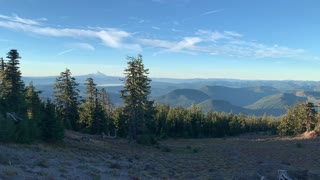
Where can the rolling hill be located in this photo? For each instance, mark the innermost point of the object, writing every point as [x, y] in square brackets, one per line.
[238, 96]
[222, 106]
[183, 97]
[248, 97]
[277, 101]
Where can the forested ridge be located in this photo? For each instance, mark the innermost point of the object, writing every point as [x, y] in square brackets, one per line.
[25, 117]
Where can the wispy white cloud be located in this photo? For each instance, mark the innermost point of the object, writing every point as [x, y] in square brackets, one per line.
[187, 45]
[155, 27]
[226, 43]
[211, 12]
[18, 19]
[64, 52]
[110, 37]
[215, 35]
[176, 23]
[84, 46]
[229, 43]
[159, 1]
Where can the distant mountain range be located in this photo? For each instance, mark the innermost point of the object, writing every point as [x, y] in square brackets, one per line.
[222, 95]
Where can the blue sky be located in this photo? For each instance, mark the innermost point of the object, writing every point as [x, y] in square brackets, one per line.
[247, 39]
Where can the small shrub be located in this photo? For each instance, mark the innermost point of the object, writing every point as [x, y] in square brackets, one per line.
[115, 166]
[165, 149]
[195, 150]
[4, 160]
[147, 139]
[63, 170]
[299, 145]
[42, 163]
[137, 157]
[9, 172]
[7, 129]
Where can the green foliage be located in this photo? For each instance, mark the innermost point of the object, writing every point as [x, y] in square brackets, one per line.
[137, 106]
[165, 149]
[7, 129]
[52, 129]
[146, 139]
[66, 99]
[33, 102]
[9, 172]
[23, 132]
[299, 119]
[12, 87]
[120, 121]
[194, 123]
[33, 105]
[92, 115]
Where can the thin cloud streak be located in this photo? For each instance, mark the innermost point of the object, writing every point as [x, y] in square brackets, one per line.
[155, 27]
[64, 52]
[226, 43]
[18, 19]
[211, 12]
[84, 46]
[110, 37]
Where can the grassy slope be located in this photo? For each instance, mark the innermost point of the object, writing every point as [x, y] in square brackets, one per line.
[188, 158]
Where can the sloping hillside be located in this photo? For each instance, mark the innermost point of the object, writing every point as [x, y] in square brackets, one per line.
[238, 96]
[83, 156]
[277, 101]
[222, 106]
[183, 97]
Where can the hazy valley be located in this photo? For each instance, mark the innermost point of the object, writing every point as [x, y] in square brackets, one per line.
[250, 97]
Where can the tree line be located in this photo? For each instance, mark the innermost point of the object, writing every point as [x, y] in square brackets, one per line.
[25, 117]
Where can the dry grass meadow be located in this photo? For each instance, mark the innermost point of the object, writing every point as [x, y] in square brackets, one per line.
[89, 157]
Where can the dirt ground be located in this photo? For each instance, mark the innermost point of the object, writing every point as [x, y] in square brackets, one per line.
[80, 156]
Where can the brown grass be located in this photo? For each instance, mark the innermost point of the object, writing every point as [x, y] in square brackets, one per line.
[184, 158]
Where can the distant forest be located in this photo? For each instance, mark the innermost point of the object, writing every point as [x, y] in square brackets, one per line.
[25, 117]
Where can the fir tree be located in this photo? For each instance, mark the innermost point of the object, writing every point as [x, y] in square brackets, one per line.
[108, 109]
[12, 87]
[92, 116]
[33, 104]
[66, 99]
[51, 125]
[135, 95]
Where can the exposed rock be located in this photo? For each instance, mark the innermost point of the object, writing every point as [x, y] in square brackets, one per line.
[274, 170]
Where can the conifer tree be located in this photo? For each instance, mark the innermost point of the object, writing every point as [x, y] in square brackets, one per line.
[33, 105]
[33, 102]
[135, 94]
[108, 109]
[301, 118]
[66, 99]
[105, 101]
[12, 87]
[51, 126]
[120, 121]
[92, 116]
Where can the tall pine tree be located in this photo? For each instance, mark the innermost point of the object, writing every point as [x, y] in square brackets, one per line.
[12, 86]
[135, 94]
[67, 99]
[92, 116]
